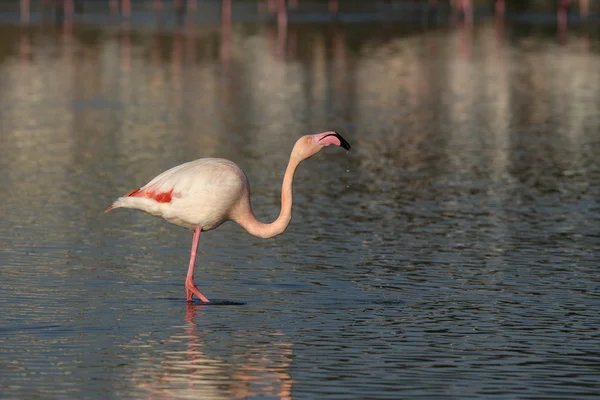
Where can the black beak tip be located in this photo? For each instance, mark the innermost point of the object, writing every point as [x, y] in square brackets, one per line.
[343, 142]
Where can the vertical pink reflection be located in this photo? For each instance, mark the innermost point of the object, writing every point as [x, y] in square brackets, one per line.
[24, 51]
[333, 6]
[25, 8]
[156, 47]
[191, 43]
[265, 376]
[178, 4]
[67, 36]
[584, 8]
[67, 41]
[194, 356]
[190, 317]
[126, 47]
[45, 6]
[292, 43]
[281, 28]
[177, 61]
[69, 6]
[562, 21]
[226, 89]
[113, 6]
[465, 39]
[126, 8]
[272, 38]
[177, 56]
[500, 8]
[464, 8]
[467, 7]
[339, 61]
[189, 368]
[499, 25]
[225, 48]
[341, 76]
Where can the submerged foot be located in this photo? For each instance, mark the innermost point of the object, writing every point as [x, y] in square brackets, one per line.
[191, 290]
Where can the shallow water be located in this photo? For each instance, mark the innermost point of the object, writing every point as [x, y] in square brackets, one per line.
[452, 253]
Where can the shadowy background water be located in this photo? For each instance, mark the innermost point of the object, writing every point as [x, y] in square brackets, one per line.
[453, 253]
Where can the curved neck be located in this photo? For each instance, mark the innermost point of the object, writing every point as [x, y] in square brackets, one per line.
[257, 228]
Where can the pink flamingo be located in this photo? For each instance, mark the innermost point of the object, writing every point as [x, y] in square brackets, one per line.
[203, 194]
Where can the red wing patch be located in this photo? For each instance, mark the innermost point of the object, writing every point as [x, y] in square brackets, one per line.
[164, 197]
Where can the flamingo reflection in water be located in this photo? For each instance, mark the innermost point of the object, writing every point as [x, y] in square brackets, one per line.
[196, 371]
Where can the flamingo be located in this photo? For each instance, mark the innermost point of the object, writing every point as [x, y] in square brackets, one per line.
[202, 194]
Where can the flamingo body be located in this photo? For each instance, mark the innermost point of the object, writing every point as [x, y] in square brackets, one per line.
[203, 194]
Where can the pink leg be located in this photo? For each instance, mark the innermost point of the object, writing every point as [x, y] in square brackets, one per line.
[190, 287]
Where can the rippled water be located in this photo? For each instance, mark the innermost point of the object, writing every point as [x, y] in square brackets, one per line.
[453, 253]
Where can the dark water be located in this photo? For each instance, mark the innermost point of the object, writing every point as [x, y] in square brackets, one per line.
[453, 253]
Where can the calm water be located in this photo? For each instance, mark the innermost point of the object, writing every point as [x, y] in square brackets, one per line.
[453, 253]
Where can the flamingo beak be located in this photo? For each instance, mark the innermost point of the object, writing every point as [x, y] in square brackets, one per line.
[343, 142]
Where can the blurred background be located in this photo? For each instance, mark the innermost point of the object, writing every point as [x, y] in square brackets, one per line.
[452, 253]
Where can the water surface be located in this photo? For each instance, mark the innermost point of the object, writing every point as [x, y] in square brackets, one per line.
[453, 253]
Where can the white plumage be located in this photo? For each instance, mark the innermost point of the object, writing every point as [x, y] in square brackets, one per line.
[203, 193]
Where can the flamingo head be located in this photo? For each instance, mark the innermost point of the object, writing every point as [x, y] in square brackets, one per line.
[309, 145]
